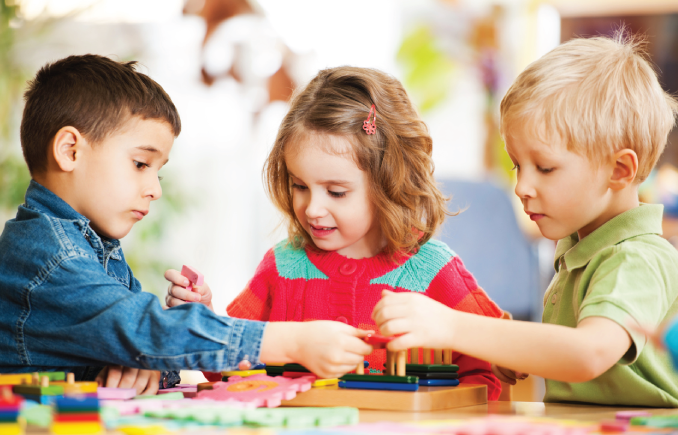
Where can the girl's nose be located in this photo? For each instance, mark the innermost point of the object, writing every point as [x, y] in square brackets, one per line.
[315, 209]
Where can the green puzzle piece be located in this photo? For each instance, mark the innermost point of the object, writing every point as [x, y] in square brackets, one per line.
[440, 368]
[53, 376]
[377, 378]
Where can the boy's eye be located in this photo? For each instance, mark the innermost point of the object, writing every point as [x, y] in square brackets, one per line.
[160, 178]
[298, 186]
[544, 170]
[336, 194]
[140, 165]
[515, 167]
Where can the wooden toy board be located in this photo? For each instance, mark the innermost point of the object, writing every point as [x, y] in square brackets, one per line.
[426, 399]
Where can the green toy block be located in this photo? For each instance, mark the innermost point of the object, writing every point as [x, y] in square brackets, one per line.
[53, 376]
[440, 368]
[36, 390]
[38, 415]
[377, 378]
[664, 421]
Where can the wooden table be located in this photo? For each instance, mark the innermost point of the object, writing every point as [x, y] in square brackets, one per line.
[537, 409]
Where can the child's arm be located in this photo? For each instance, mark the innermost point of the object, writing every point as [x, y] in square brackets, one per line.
[178, 293]
[551, 351]
[146, 382]
[328, 349]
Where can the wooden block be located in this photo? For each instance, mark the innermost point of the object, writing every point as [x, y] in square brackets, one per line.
[77, 417]
[205, 386]
[325, 382]
[77, 387]
[437, 356]
[11, 429]
[433, 375]
[53, 376]
[377, 378]
[294, 375]
[378, 386]
[439, 382]
[37, 390]
[153, 429]
[426, 399]
[59, 428]
[244, 373]
[414, 355]
[390, 363]
[17, 379]
[401, 363]
[447, 356]
[452, 368]
[360, 369]
[427, 356]
[106, 393]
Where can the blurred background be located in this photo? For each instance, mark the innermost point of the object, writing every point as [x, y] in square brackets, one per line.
[230, 67]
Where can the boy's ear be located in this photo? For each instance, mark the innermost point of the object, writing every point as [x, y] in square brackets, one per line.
[67, 148]
[625, 168]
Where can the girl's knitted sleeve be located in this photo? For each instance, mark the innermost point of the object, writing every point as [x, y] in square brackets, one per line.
[254, 302]
[455, 287]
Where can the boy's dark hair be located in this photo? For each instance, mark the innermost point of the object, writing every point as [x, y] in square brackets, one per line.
[92, 93]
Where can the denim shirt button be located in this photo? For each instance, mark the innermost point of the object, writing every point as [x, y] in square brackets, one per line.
[348, 268]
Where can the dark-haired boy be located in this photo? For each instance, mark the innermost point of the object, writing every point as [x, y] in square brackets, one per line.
[94, 133]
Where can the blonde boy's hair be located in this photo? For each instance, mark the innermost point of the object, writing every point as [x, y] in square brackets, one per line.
[397, 158]
[598, 94]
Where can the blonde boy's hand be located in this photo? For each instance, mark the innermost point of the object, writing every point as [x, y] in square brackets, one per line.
[146, 382]
[178, 294]
[417, 319]
[328, 349]
[507, 375]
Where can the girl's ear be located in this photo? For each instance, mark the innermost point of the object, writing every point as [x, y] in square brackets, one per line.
[67, 148]
[625, 169]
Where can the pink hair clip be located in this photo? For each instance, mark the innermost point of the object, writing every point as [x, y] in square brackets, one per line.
[371, 127]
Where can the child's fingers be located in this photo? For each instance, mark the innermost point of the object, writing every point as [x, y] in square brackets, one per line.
[504, 374]
[184, 294]
[358, 347]
[113, 376]
[395, 327]
[403, 342]
[153, 384]
[101, 377]
[129, 378]
[390, 312]
[174, 276]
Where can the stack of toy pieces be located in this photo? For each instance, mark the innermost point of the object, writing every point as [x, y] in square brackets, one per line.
[10, 406]
[39, 389]
[76, 415]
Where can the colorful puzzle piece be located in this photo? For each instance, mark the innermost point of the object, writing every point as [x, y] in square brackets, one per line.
[438, 368]
[107, 393]
[433, 375]
[195, 277]
[439, 382]
[15, 379]
[243, 373]
[260, 389]
[378, 341]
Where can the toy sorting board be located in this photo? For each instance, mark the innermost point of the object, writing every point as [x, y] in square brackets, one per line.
[426, 399]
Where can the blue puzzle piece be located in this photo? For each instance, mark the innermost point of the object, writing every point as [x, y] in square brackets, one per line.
[378, 386]
[439, 382]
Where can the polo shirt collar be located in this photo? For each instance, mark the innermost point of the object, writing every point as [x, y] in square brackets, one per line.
[645, 219]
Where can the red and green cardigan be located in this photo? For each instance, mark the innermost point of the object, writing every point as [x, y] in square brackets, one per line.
[309, 284]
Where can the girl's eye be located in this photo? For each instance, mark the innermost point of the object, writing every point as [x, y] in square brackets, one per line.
[336, 194]
[140, 165]
[544, 170]
[298, 186]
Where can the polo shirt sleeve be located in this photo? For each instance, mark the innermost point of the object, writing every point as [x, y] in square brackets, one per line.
[627, 287]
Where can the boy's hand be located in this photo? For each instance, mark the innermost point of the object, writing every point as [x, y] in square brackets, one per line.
[417, 319]
[507, 375]
[328, 349]
[145, 381]
[178, 294]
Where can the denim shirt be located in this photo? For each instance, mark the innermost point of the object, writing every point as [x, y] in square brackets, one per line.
[71, 303]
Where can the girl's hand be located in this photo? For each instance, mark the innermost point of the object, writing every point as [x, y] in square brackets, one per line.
[178, 294]
[328, 349]
[146, 382]
[507, 375]
[417, 319]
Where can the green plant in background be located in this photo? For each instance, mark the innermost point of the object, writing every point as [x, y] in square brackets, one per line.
[429, 72]
[145, 255]
[14, 175]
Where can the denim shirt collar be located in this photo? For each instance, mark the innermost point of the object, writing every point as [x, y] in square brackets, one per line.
[43, 200]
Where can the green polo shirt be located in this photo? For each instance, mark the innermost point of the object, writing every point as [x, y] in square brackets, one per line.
[622, 271]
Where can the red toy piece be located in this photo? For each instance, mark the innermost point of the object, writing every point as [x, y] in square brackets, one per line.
[378, 341]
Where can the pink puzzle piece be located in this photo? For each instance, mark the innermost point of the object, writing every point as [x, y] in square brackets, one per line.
[193, 275]
[261, 390]
[105, 393]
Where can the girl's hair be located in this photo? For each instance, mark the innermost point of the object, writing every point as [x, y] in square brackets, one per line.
[397, 158]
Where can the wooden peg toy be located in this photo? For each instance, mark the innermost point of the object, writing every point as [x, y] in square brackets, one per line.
[70, 378]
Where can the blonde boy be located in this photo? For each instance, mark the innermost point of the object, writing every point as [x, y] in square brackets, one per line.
[584, 125]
